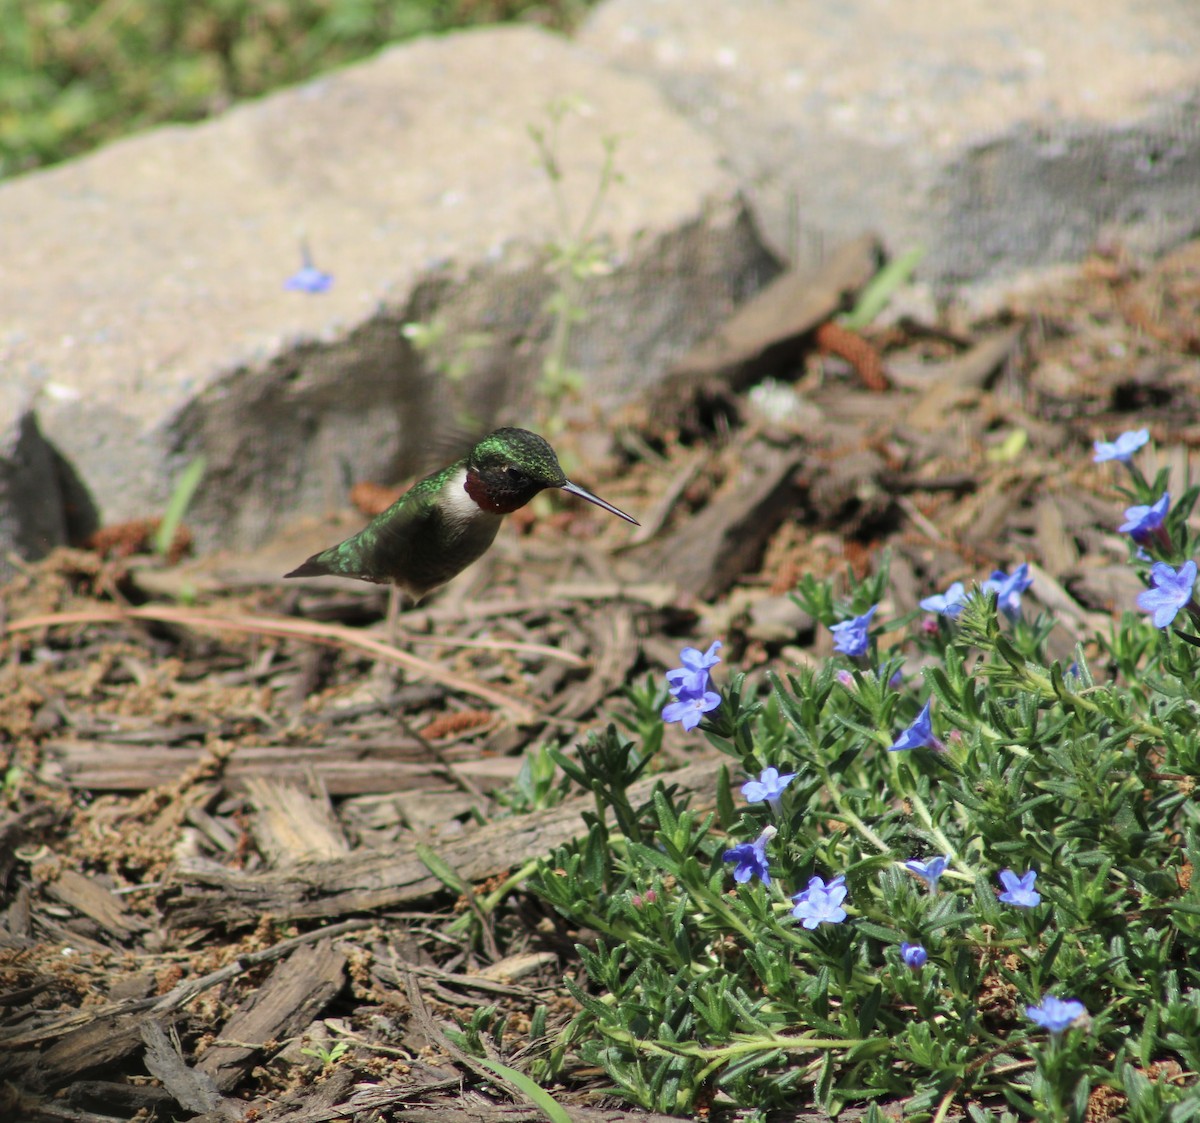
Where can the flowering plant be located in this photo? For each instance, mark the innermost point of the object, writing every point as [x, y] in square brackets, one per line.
[1001, 909]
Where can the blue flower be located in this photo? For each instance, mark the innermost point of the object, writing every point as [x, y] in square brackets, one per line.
[1122, 448]
[914, 956]
[693, 675]
[689, 685]
[309, 278]
[1169, 591]
[1008, 588]
[751, 858]
[852, 637]
[821, 903]
[1019, 891]
[950, 603]
[1141, 522]
[689, 707]
[930, 871]
[768, 786]
[1055, 1014]
[919, 735]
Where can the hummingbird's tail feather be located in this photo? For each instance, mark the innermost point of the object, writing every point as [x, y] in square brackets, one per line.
[347, 559]
[316, 566]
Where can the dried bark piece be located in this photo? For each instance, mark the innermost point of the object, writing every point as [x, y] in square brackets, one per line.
[99, 1044]
[977, 367]
[347, 767]
[291, 826]
[191, 1089]
[105, 908]
[709, 552]
[295, 993]
[768, 333]
[199, 895]
[614, 652]
[768, 329]
[333, 1097]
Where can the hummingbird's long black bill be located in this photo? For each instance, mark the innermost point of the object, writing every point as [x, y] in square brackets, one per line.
[583, 493]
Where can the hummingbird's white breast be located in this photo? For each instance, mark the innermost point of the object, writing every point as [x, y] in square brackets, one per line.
[457, 505]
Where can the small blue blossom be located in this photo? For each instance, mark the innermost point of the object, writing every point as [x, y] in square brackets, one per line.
[690, 684]
[689, 707]
[768, 786]
[853, 637]
[693, 675]
[751, 858]
[1169, 591]
[821, 903]
[930, 871]
[950, 603]
[1008, 588]
[1055, 1014]
[1019, 891]
[1141, 522]
[913, 955]
[1122, 448]
[309, 278]
[919, 735]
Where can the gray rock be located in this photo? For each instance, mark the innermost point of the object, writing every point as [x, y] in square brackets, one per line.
[32, 518]
[144, 284]
[996, 135]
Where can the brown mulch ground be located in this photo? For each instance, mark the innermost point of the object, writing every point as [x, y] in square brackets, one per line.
[213, 802]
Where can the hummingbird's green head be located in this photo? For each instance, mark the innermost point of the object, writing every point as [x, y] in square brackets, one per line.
[509, 467]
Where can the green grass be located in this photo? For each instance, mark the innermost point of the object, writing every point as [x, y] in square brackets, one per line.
[75, 73]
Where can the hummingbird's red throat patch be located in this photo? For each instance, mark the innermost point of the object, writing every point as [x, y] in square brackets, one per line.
[487, 500]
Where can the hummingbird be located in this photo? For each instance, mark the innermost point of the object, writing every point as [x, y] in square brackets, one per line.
[448, 520]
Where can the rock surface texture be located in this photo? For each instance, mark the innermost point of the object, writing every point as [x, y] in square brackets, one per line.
[998, 136]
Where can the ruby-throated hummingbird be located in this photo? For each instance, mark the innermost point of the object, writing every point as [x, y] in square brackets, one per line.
[448, 520]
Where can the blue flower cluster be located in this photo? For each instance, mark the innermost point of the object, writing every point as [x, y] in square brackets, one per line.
[1008, 588]
[821, 903]
[824, 902]
[691, 687]
[1172, 588]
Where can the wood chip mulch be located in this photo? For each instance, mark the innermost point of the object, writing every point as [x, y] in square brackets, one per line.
[218, 807]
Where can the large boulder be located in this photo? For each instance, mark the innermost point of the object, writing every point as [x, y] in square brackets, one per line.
[143, 286]
[998, 135]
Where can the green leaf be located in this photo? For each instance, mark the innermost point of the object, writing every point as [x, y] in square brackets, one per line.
[539, 1097]
[441, 869]
[177, 505]
[881, 288]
